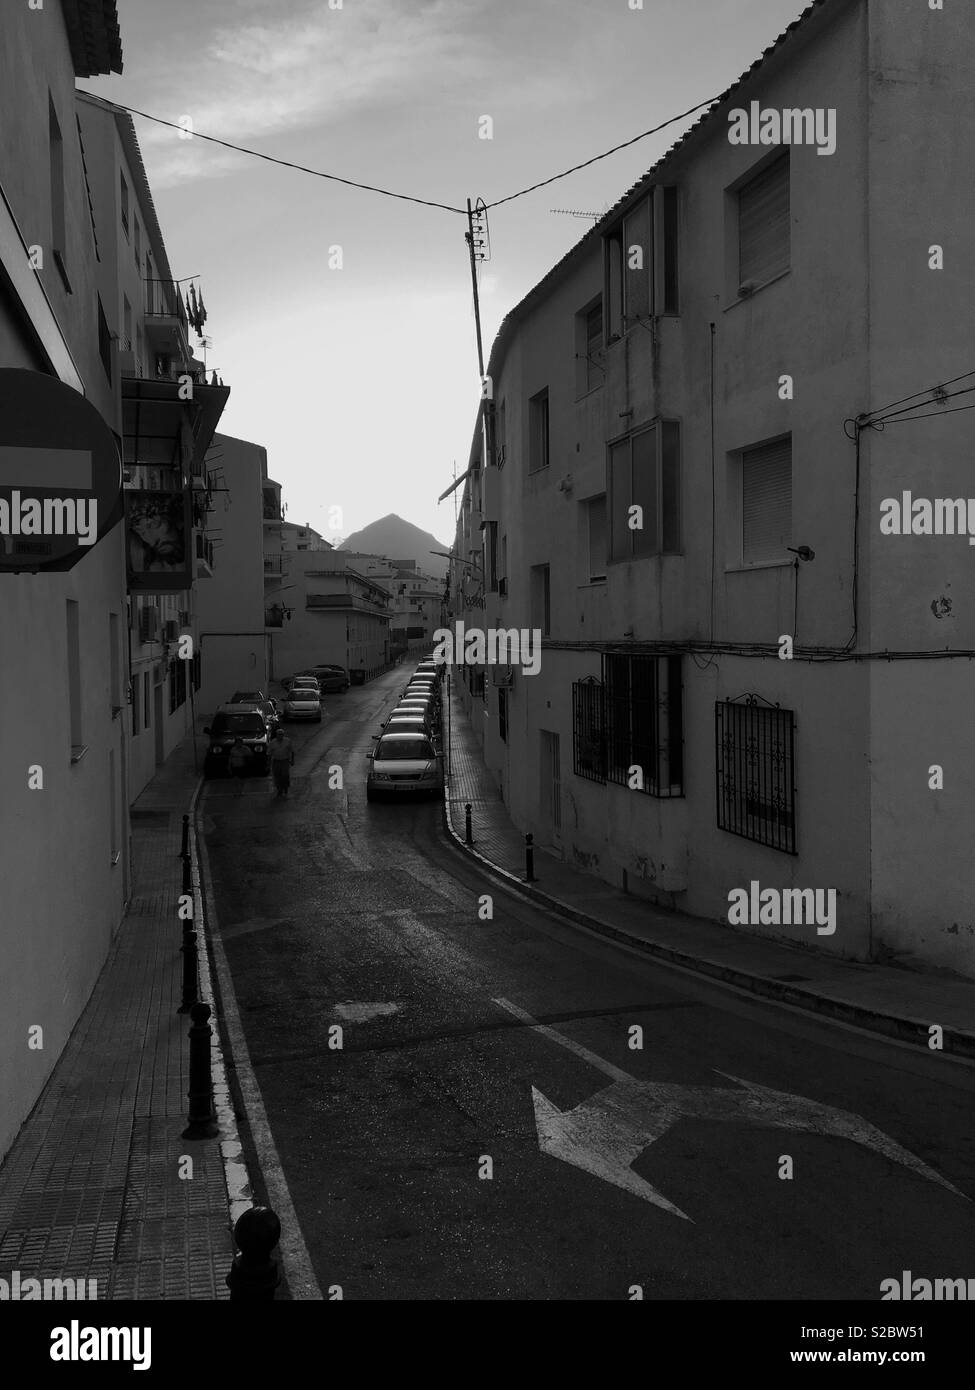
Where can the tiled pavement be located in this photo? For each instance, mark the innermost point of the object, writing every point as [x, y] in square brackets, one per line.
[888, 999]
[91, 1187]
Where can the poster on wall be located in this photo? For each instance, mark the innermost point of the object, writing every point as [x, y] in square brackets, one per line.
[158, 538]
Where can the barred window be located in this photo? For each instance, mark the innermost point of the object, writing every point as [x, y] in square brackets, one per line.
[755, 772]
[588, 740]
[644, 723]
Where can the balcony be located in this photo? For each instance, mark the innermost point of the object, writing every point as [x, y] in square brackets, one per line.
[277, 564]
[350, 602]
[167, 330]
[204, 557]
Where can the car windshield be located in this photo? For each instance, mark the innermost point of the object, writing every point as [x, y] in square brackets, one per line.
[243, 724]
[390, 749]
[303, 692]
[245, 697]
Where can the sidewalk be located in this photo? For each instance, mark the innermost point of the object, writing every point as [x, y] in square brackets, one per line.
[91, 1187]
[895, 1001]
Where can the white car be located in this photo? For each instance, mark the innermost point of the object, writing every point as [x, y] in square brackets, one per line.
[404, 763]
[302, 702]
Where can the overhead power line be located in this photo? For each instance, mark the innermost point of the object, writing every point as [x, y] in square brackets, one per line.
[387, 192]
[273, 159]
[605, 155]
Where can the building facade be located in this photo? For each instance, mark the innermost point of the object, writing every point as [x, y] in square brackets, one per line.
[64, 841]
[170, 411]
[679, 480]
[229, 606]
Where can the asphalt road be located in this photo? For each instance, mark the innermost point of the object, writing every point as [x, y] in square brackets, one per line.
[338, 912]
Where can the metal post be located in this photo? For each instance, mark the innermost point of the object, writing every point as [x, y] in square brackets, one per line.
[202, 1124]
[468, 837]
[188, 950]
[187, 881]
[254, 1275]
[185, 846]
[529, 859]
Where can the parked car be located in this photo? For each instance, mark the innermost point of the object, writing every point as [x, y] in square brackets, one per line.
[272, 718]
[403, 763]
[303, 702]
[401, 723]
[331, 679]
[247, 697]
[303, 680]
[233, 721]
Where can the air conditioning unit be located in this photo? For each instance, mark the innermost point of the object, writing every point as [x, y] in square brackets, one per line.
[149, 624]
[172, 630]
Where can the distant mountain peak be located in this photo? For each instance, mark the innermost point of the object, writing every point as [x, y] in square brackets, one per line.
[399, 539]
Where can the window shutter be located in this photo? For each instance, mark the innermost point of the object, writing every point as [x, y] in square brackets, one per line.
[763, 225]
[766, 502]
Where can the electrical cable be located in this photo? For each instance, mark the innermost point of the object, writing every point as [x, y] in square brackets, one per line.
[605, 155]
[882, 410]
[273, 159]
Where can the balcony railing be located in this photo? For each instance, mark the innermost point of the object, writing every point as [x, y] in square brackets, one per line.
[163, 300]
[277, 564]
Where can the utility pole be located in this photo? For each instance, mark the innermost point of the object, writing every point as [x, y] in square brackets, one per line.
[476, 245]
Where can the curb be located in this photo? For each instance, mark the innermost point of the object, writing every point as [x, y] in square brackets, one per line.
[298, 1268]
[956, 1041]
[236, 1176]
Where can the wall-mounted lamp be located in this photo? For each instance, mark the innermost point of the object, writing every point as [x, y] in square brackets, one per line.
[803, 552]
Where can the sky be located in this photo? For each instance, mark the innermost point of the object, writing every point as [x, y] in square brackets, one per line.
[362, 381]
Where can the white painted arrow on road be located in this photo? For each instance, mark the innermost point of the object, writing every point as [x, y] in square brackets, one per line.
[607, 1133]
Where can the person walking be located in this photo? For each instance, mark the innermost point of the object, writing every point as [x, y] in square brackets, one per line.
[237, 763]
[282, 761]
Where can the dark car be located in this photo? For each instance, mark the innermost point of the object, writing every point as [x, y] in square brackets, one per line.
[247, 697]
[332, 680]
[230, 723]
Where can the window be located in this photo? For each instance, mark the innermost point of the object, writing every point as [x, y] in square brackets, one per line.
[637, 263]
[114, 670]
[755, 771]
[538, 426]
[763, 226]
[74, 679]
[643, 489]
[588, 739]
[56, 156]
[644, 723]
[590, 372]
[614, 284]
[766, 502]
[596, 529]
[126, 324]
[124, 191]
[541, 598]
[491, 548]
[104, 342]
[667, 298]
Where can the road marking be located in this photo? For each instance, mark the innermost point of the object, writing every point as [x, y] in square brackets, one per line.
[607, 1133]
[294, 1253]
[362, 1013]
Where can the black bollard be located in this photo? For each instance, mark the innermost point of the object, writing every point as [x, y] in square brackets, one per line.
[185, 846]
[254, 1275]
[529, 859]
[187, 881]
[468, 837]
[188, 950]
[202, 1124]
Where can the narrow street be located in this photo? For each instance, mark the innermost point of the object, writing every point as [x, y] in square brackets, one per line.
[335, 911]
